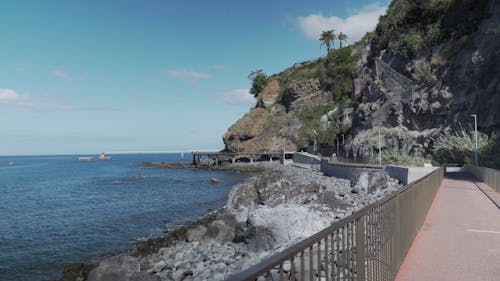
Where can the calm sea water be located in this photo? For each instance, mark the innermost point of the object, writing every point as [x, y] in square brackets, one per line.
[55, 209]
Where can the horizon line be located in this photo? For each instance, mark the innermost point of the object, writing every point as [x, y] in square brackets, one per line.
[114, 152]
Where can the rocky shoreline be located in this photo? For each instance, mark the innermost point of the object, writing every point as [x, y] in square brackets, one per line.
[264, 215]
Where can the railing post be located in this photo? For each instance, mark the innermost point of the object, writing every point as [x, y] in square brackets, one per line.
[360, 248]
[397, 236]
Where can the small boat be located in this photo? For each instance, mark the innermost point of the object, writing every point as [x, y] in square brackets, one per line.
[11, 164]
[104, 157]
[85, 159]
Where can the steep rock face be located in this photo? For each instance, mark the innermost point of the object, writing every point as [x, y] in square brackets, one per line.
[269, 94]
[411, 100]
[273, 125]
[302, 93]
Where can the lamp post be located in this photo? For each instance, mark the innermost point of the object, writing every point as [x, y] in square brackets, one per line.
[343, 145]
[338, 155]
[475, 137]
[379, 149]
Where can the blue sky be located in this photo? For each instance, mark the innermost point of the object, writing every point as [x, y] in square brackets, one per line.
[91, 76]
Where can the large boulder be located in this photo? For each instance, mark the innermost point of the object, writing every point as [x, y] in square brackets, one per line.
[196, 233]
[116, 268]
[75, 271]
[220, 232]
[371, 182]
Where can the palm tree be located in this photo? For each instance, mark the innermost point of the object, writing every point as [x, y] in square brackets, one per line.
[342, 37]
[328, 37]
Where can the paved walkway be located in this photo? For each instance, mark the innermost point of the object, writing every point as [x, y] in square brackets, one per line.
[460, 238]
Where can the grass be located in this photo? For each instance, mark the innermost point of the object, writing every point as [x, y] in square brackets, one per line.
[402, 157]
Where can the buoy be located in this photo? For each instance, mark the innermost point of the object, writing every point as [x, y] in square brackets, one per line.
[214, 180]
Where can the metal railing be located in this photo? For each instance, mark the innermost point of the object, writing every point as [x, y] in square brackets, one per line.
[489, 176]
[371, 244]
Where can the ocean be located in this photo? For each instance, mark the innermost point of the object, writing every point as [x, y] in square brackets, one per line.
[56, 210]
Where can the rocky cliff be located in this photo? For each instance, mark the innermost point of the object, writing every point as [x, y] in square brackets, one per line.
[425, 69]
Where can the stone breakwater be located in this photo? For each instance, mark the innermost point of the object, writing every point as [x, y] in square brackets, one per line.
[264, 215]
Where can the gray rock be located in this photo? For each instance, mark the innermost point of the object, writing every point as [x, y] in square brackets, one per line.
[196, 234]
[220, 232]
[144, 276]
[371, 182]
[116, 268]
[159, 266]
[182, 274]
[262, 240]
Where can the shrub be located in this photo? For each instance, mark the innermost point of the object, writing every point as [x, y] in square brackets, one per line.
[422, 72]
[408, 44]
[398, 156]
[312, 130]
[459, 147]
[306, 70]
[337, 74]
[410, 25]
[259, 81]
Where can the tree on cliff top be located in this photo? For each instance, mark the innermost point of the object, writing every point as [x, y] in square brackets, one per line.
[342, 37]
[328, 37]
[259, 81]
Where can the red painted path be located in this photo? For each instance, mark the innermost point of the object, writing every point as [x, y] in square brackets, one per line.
[460, 238]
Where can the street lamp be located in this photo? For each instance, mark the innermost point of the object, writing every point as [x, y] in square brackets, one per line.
[338, 155]
[379, 149]
[343, 146]
[475, 137]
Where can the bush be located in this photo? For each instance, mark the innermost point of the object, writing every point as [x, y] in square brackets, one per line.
[398, 156]
[459, 148]
[312, 130]
[337, 74]
[422, 72]
[410, 25]
[306, 70]
[409, 44]
[259, 81]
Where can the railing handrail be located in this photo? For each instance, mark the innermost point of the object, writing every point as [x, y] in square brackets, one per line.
[488, 175]
[269, 263]
[487, 168]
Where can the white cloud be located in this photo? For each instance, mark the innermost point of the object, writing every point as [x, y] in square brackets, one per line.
[187, 74]
[12, 100]
[60, 74]
[64, 75]
[218, 67]
[8, 96]
[236, 97]
[355, 26]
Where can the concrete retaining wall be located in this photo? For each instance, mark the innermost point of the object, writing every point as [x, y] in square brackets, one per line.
[405, 175]
[343, 170]
[489, 176]
[306, 158]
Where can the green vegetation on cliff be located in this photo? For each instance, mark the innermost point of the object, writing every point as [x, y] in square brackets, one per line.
[259, 81]
[313, 130]
[409, 25]
[337, 73]
[459, 148]
[427, 66]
